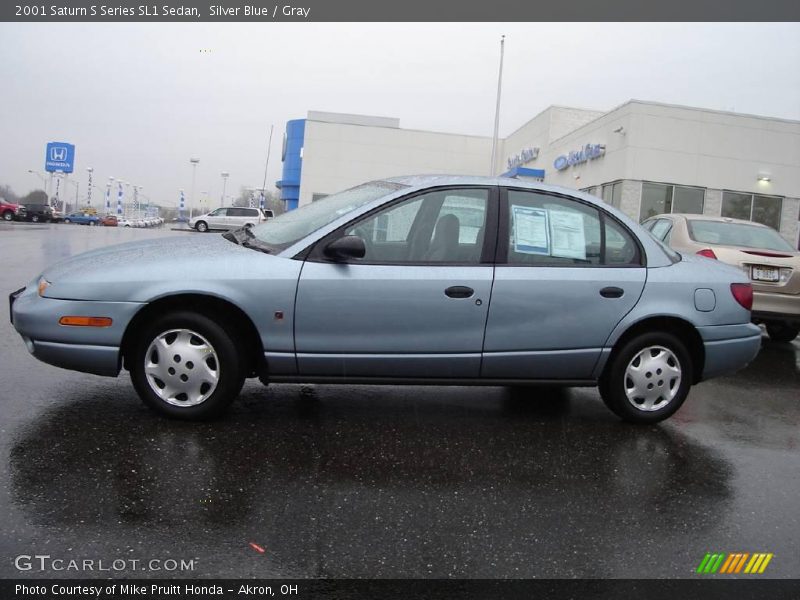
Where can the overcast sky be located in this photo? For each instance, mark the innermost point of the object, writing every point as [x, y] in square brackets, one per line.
[138, 100]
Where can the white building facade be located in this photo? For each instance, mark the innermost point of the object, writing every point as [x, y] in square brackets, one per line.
[642, 157]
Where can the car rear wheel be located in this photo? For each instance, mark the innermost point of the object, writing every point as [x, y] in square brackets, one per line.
[92, 223]
[186, 365]
[201, 226]
[648, 379]
[67, 221]
[35, 218]
[782, 332]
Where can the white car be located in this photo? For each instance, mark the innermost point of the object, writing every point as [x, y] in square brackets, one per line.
[229, 217]
[123, 222]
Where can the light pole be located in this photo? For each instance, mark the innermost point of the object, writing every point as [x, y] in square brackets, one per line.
[224, 176]
[194, 161]
[89, 191]
[497, 106]
[44, 181]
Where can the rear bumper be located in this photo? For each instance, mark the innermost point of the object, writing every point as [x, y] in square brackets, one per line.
[769, 306]
[729, 348]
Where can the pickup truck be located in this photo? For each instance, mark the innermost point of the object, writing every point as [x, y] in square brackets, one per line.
[11, 212]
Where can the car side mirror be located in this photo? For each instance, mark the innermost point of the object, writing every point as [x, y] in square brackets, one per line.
[349, 246]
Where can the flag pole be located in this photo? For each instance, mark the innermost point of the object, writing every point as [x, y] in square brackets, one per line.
[497, 106]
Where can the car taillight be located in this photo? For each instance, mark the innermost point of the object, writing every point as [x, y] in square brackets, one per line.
[708, 253]
[743, 292]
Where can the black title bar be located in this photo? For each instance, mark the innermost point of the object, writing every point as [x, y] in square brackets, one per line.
[192, 11]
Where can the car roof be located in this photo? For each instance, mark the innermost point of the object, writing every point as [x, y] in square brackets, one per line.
[441, 179]
[694, 217]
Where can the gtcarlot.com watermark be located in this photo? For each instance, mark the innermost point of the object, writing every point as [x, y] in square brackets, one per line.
[46, 563]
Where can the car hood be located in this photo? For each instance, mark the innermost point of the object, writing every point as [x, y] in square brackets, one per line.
[136, 271]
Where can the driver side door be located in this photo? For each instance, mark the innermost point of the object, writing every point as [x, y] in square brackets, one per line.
[415, 305]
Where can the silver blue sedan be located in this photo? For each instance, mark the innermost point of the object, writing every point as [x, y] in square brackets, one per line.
[423, 280]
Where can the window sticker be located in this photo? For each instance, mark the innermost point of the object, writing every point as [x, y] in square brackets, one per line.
[530, 230]
[567, 234]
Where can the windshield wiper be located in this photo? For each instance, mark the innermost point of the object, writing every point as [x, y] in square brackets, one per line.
[231, 237]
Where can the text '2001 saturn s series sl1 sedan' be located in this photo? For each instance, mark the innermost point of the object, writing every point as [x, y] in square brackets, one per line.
[426, 280]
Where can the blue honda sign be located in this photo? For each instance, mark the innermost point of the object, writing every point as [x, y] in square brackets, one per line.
[60, 156]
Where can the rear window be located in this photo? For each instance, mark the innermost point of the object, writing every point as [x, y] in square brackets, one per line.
[737, 234]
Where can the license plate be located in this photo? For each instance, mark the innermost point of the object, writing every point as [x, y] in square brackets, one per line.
[765, 274]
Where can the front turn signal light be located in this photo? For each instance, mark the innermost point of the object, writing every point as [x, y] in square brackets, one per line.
[86, 321]
[43, 285]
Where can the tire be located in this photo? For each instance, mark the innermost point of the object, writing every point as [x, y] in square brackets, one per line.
[8, 216]
[661, 396]
[782, 332]
[170, 382]
[92, 223]
[201, 226]
[35, 218]
[67, 221]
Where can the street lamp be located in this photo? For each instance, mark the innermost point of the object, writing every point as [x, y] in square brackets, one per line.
[44, 181]
[224, 175]
[194, 161]
[89, 191]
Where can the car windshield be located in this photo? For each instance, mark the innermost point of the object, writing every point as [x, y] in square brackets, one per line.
[292, 226]
[737, 234]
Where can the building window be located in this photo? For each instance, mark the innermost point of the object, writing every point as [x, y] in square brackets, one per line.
[612, 194]
[688, 200]
[660, 198]
[761, 209]
[656, 200]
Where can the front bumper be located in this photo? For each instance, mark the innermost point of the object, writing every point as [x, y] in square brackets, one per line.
[729, 348]
[87, 349]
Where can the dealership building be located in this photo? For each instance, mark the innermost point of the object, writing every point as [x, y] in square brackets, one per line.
[643, 157]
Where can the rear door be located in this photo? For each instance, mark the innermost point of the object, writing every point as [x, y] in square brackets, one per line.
[566, 274]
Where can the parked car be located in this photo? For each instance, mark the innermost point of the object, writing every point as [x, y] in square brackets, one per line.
[11, 212]
[231, 217]
[82, 218]
[109, 221]
[426, 280]
[38, 213]
[766, 258]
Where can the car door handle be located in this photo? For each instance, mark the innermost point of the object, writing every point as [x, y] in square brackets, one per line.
[612, 292]
[459, 291]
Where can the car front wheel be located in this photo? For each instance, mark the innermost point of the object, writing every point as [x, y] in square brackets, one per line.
[648, 379]
[186, 365]
[201, 226]
[782, 332]
[8, 216]
[35, 218]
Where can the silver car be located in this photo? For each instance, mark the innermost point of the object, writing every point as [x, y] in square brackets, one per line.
[232, 217]
[423, 280]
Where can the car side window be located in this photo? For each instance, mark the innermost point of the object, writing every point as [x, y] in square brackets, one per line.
[546, 230]
[441, 226]
[621, 249]
[220, 212]
[236, 212]
[662, 229]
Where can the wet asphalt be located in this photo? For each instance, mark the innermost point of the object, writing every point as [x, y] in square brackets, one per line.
[367, 481]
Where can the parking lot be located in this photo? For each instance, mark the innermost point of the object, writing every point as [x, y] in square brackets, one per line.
[367, 481]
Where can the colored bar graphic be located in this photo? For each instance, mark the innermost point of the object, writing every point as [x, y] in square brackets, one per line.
[733, 563]
[703, 563]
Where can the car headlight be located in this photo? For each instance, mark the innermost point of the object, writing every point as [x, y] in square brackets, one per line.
[43, 285]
